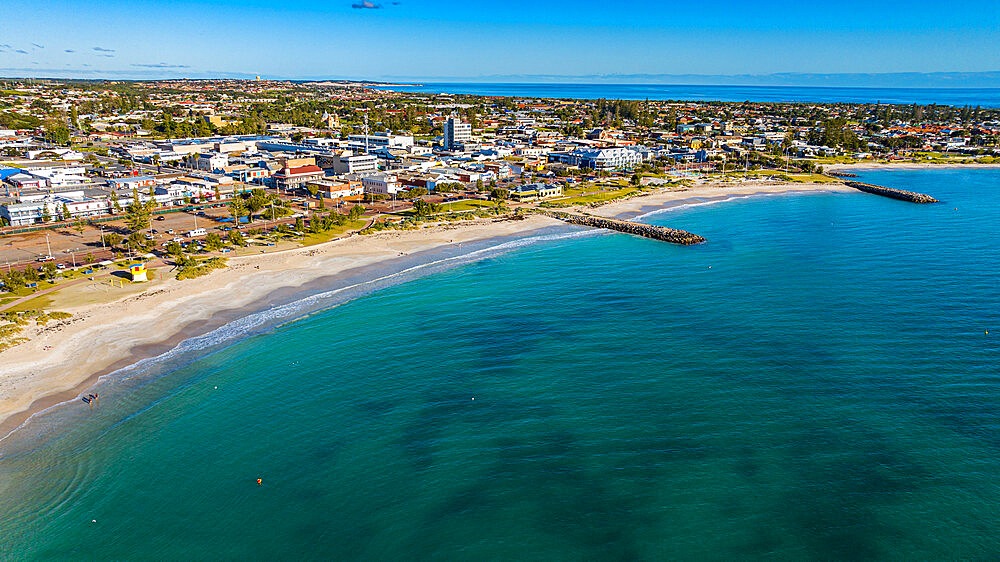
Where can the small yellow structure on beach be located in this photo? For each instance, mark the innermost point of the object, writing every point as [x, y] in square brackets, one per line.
[138, 272]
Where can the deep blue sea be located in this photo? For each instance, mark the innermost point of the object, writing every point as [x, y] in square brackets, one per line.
[985, 97]
[814, 382]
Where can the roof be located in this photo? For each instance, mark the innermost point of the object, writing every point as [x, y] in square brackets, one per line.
[301, 170]
[8, 172]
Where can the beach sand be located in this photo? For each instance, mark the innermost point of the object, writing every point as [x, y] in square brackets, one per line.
[708, 191]
[63, 359]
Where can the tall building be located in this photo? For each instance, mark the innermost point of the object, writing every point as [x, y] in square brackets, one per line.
[456, 133]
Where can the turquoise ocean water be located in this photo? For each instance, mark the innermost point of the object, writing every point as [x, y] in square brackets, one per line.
[814, 382]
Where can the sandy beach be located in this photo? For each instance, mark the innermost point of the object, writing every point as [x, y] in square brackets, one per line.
[63, 359]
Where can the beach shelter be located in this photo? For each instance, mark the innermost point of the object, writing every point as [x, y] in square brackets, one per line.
[138, 272]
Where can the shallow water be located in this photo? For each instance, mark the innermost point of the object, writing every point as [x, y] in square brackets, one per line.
[815, 381]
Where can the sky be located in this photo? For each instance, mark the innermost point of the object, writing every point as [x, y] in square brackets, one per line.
[427, 40]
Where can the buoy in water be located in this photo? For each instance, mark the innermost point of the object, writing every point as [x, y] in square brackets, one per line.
[260, 481]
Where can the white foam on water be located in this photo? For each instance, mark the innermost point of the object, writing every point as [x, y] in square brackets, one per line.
[197, 347]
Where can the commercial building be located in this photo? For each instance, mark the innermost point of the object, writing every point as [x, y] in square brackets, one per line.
[292, 178]
[213, 161]
[456, 134]
[349, 163]
[534, 191]
[618, 158]
[384, 140]
[381, 184]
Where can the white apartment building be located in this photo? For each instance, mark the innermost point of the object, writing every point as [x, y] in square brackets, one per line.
[456, 133]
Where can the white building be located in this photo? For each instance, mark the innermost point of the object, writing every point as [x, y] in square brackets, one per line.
[213, 161]
[385, 140]
[350, 163]
[456, 133]
[619, 158]
[381, 184]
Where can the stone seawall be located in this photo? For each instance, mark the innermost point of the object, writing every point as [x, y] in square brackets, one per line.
[891, 193]
[843, 174]
[663, 233]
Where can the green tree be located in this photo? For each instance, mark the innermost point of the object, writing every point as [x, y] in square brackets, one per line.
[213, 242]
[218, 194]
[137, 214]
[479, 184]
[425, 208]
[111, 239]
[59, 135]
[236, 238]
[258, 200]
[499, 194]
[238, 209]
[65, 212]
[137, 242]
[175, 249]
[636, 179]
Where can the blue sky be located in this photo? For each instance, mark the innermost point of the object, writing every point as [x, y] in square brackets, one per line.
[427, 39]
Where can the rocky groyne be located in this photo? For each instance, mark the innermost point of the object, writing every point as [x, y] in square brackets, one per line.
[663, 233]
[843, 174]
[891, 193]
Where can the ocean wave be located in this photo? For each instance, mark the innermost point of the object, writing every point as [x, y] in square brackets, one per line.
[200, 346]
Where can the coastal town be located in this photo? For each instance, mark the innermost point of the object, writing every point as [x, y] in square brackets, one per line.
[107, 183]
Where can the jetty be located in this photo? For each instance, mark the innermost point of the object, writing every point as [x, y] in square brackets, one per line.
[910, 196]
[672, 235]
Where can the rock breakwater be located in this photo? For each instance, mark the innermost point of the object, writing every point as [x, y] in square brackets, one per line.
[672, 235]
[891, 193]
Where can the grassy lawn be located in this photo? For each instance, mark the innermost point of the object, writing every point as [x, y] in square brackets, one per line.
[465, 205]
[591, 198]
[37, 303]
[337, 231]
[793, 176]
